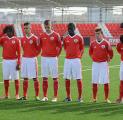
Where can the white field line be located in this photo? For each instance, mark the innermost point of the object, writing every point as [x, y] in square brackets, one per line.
[89, 69]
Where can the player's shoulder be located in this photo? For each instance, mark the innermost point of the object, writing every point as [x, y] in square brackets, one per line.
[93, 42]
[106, 41]
[55, 33]
[65, 37]
[34, 36]
[42, 34]
[79, 36]
[3, 37]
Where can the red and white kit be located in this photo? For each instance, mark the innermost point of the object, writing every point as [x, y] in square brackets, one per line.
[51, 48]
[101, 53]
[74, 47]
[11, 57]
[29, 66]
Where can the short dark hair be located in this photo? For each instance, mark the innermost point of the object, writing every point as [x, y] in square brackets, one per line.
[26, 23]
[47, 22]
[8, 28]
[98, 29]
[71, 24]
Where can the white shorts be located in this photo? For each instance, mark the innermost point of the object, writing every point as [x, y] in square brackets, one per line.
[72, 69]
[100, 73]
[121, 70]
[29, 68]
[49, 66]
[9, 70]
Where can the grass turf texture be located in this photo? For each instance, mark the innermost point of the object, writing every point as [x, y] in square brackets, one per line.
[33, 110]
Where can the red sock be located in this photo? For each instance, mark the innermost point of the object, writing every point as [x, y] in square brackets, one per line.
[37, 87]
[17, 85]
[55, 87]
[6, 87]
[45, 86]
[79, 85]
[121, 89]
[25, 87]
[95, 89]
[106, 90]
[67, 84]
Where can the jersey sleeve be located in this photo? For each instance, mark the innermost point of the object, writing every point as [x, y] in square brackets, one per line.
[59, 44]
[110, 51]
[118, 48]
[1, 41]
[19, 51]
[64, 44]
[37, 41]
[91, 50]
[81, 45]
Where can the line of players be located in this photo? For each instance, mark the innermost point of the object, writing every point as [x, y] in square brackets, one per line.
[49, 44]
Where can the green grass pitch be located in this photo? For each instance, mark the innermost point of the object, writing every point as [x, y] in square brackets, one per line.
[33, 110]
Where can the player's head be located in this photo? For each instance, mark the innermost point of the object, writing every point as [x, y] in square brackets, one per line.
[47, 26]
[27, 28]
[9, 31]
[71, 29]
[99, 34]
[121, 38]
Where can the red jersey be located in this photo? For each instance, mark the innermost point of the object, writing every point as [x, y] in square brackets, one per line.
[30, 46]
[101, 51]
[119, 48]
[11, 48]
[50, 44]
[74, 46]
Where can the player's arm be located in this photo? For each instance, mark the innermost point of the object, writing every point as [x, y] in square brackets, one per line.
[64, 44]
[59, 45]
[118, 48]
[81, 45]
[19, 55]
[1, 41]
[91, 50]
[38, 45]
[110, 51]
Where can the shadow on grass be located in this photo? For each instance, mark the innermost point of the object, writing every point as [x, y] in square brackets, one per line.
[60, 107]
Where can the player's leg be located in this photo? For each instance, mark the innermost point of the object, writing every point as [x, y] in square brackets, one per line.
[24, 75]
[37, 88]
[6, 75]
[53, 67]
[95, 80]
[77, 74]
[120, 99]
[15, 76]
[44, 73]
[67, 77]
[32, 68]
[6, 87]
[104, 79]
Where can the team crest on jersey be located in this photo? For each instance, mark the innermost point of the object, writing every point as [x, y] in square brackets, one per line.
[44, 38]
[103, 46]
[75, 40]
[13, 42]
[31, 41]
[51, 38]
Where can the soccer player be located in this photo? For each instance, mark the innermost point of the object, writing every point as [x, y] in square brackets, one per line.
[119, 48]
[51, 48]
[101, 53]
[74, 48]
[29, 65]
[11, 59]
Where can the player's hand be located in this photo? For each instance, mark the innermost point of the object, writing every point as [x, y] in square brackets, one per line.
[18, 67]
[108, 59]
